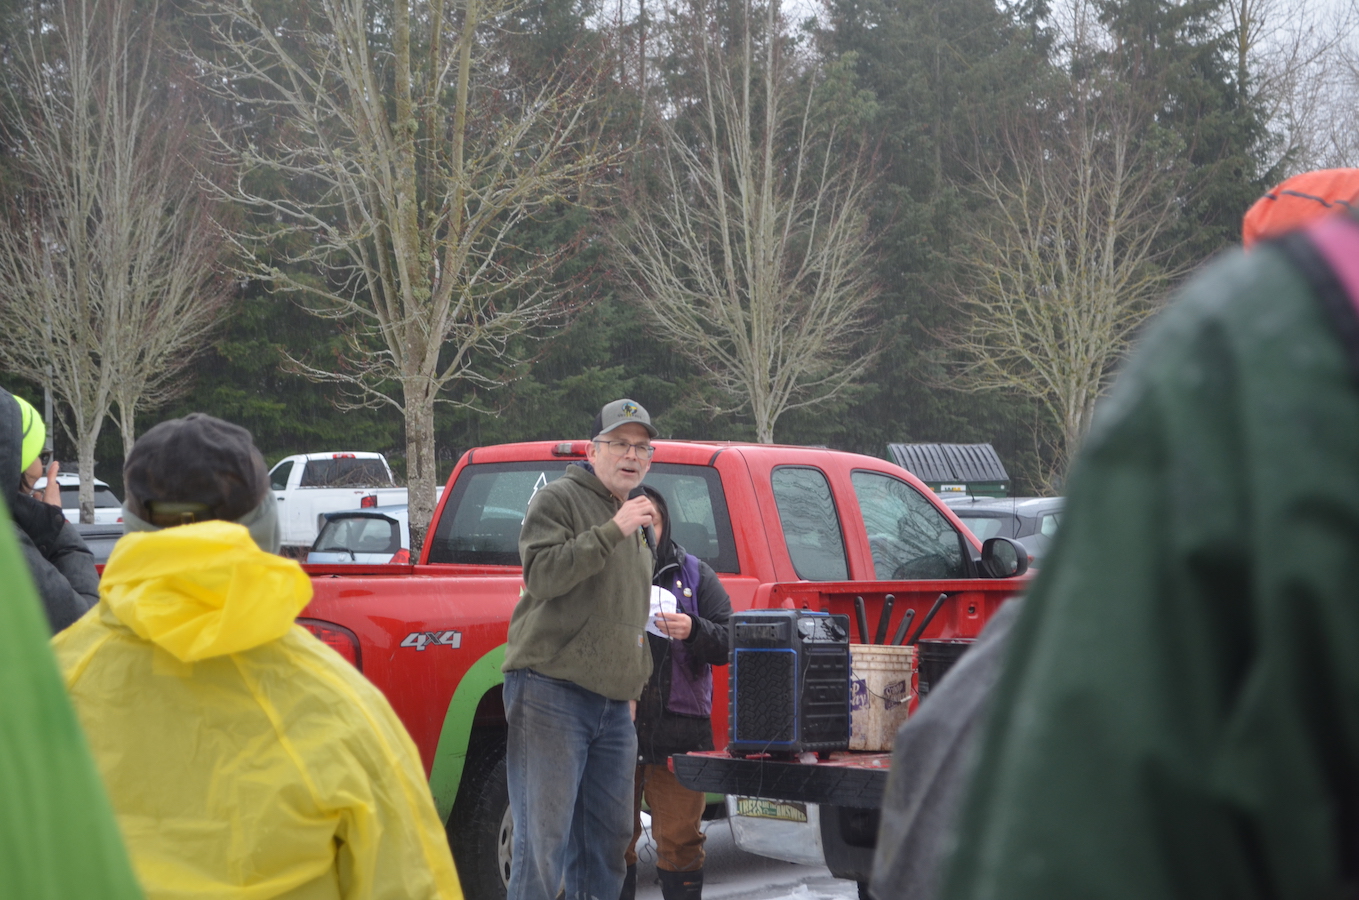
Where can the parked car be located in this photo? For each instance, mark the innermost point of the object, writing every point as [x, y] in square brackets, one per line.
[1032, 521]
[100, 539]
[310, 484]
[374, 536]
[108, 509]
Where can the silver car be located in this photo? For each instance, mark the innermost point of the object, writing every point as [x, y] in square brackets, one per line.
[1032, 521]
[374, 536]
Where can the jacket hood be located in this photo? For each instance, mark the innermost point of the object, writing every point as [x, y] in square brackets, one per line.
[202, 590]
[262, 522]
[11, 444]
[669, 555]
[584, 474]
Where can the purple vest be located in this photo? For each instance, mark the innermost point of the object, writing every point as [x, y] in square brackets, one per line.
[691, 680]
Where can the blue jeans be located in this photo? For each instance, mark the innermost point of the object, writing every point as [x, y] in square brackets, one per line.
[571, 754]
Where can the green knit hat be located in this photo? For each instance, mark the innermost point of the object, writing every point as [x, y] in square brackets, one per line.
[35, 433]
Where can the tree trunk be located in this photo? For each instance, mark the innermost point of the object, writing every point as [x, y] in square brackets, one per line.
[127, 424]
[85, 467]
[420, 468]
[764, 423]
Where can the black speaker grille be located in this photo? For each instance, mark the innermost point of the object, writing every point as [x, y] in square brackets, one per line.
[765, 695]
[825, 714]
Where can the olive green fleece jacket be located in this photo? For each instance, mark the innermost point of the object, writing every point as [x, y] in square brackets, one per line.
[583, 609]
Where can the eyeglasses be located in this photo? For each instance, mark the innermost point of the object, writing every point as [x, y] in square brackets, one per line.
[621, 448]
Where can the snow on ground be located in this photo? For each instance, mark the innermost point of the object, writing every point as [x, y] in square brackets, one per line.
[732, 874]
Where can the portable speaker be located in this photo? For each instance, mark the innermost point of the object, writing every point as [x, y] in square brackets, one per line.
[789, 681]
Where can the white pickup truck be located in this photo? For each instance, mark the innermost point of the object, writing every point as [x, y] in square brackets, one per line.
[310, 484]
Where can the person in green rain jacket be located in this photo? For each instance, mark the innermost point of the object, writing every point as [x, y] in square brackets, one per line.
[1178, 715]
[58, 838]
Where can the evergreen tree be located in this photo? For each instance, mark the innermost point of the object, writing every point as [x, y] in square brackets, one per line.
[1177, 57]
[944, 72]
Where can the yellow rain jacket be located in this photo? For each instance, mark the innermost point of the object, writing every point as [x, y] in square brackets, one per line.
[244, 758]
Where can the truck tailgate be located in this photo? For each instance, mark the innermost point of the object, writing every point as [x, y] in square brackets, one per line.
[844, 779]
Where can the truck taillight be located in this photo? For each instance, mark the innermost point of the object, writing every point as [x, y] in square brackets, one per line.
[402, 558]
[343, 456]
[337, 638]
[570, 448]
[368, 502]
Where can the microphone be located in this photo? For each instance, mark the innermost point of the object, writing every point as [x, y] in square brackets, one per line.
[648, 532]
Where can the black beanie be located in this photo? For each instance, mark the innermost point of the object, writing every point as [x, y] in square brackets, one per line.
[198, 459]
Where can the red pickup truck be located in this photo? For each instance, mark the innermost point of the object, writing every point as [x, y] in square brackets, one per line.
[773, 521]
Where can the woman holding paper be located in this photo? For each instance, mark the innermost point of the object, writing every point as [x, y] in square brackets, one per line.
[688, 635]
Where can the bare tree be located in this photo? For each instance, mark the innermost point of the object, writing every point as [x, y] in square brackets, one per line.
[753, 256]
[1062, 263]
[178, 290]
[1293, 61]
[409, 156]
[107, 263]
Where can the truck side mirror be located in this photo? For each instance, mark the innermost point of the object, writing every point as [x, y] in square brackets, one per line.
[1003, 557]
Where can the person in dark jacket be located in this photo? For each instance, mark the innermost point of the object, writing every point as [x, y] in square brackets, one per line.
[1178, 711]
[57, 558]
[673, 714]
[931, 763]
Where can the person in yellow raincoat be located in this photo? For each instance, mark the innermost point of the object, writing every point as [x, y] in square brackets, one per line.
[244, 759]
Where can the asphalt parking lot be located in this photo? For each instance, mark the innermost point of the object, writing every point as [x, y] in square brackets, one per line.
[732, 874]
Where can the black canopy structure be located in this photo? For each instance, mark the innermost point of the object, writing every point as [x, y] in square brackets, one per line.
[973, 469]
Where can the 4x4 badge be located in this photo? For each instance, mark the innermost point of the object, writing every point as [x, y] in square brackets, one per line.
[422, 639]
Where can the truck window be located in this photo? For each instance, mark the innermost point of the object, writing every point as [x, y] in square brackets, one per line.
[484, 513]
[698, 512]
[345, 472]
[982, 527]
[278, 479]
[909, 537]
[811, 526]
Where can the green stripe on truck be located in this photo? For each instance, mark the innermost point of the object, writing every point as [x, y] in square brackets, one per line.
[450, 757]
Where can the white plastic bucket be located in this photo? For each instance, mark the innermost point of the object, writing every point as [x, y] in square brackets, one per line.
[879, 692]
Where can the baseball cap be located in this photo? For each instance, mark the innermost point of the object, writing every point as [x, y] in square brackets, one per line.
[193, 469]
[621, 412]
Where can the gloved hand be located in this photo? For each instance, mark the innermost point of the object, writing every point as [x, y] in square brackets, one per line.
[42, 522]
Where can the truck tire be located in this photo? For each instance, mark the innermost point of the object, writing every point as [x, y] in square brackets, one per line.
[480, 829]
[849, 838]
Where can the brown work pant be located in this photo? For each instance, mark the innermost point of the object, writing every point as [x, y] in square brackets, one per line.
[676, 813]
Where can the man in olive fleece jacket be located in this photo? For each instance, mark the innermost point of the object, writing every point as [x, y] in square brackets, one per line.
[576, 660]
[584, 605]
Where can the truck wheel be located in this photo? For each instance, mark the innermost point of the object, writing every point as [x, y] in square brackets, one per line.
[849, 838]
[480, 829]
